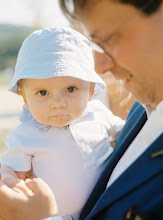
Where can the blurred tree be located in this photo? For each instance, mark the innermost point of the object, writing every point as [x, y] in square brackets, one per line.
[11, 38]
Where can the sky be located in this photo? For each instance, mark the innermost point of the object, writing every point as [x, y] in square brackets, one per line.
[31, 12]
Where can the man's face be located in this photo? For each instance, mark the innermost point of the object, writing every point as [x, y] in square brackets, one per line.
[135, 47]
[56, 101]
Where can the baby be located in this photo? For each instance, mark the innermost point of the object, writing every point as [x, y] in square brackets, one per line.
[64, 136]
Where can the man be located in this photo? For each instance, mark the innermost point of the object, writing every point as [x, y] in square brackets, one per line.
[130, 187]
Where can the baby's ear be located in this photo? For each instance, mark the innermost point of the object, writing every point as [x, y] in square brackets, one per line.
[20, 89]
[92, 91]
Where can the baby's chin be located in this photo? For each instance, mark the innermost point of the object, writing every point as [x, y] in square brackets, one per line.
[58, 122]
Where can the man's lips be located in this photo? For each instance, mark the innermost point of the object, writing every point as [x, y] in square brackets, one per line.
[126, 79]
[121, 74]
[123, 78]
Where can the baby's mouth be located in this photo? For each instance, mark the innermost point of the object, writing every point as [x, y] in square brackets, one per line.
[58, 116]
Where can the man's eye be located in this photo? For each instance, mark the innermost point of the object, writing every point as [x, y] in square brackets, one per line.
[71, 89]
[42, 93]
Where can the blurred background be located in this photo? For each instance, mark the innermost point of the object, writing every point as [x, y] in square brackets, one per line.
[18, 19]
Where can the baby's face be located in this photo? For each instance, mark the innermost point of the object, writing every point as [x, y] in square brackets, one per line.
[56, 101]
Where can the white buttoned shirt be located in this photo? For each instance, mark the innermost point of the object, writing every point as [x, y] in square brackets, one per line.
[148, 134]
[69, 159]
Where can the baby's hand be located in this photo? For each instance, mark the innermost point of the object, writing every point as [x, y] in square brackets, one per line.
[18, 185]
[12, 180]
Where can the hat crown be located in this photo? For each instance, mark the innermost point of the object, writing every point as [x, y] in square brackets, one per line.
[63, 41]
[55, 52]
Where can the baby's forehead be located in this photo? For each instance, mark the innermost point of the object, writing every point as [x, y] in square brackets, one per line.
[57, 82]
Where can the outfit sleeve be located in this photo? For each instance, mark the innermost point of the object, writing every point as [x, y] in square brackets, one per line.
[15, 158]
[113, 123]
[116, 125]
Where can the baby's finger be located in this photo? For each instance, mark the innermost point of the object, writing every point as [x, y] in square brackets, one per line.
[19, 184]
[17, 190]
[22, 186]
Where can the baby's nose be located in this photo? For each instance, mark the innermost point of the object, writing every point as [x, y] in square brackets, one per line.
[58, 101]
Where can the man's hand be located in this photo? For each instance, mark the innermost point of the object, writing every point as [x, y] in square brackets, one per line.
[16, 206]
[15, 180]
[19, 186]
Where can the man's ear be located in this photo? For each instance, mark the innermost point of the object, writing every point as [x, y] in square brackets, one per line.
[21, 91]
[92, 91]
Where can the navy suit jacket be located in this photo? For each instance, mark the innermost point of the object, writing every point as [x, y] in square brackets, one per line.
[138, 192]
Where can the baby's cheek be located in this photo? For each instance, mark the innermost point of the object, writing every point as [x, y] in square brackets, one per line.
[40, 116]
[78, 113]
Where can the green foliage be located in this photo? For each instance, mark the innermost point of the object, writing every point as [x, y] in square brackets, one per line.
[11, 38]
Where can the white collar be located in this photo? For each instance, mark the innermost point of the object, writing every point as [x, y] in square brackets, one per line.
[150, 109]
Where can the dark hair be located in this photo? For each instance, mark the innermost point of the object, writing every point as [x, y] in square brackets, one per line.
[147, 6]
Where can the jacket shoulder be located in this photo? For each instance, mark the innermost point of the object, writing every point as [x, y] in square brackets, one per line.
[136, 107]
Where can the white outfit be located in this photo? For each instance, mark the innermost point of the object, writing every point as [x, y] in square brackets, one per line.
[69, 159]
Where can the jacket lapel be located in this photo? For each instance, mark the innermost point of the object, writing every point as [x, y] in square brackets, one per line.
[150, 167]
[130, 130]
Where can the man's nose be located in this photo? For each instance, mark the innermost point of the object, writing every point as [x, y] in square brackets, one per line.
[57, 101]
[103, 63]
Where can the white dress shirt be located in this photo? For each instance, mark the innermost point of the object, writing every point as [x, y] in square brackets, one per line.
[69, 159]
[150, 131]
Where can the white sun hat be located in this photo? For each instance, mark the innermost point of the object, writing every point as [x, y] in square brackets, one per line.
[55, 52]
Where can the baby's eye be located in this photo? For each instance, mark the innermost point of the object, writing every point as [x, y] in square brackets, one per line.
[71, 89]
[43, 93]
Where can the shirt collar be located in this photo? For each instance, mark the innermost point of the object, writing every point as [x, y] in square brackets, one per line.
[150, 109]
[159, 107]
